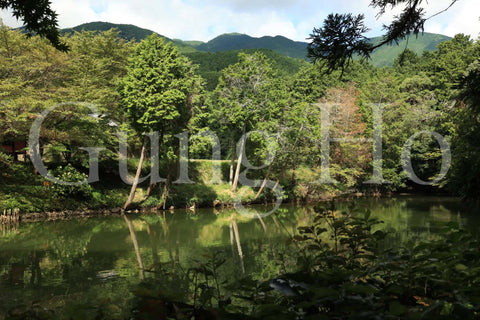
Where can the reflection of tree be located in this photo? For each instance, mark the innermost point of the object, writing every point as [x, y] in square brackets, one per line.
[133, 236]
[7, 228]
[16, 273]
[152, 235]
[35, 268]
[239, 245]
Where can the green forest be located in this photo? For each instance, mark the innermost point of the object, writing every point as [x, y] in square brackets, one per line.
[230, 93]
[137, 171]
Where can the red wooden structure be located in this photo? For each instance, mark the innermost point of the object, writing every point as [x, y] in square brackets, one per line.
[13, 148]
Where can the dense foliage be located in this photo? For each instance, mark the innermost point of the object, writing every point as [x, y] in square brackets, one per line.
[157, 94]
[285, 130]
[432, 92]
[212, 63]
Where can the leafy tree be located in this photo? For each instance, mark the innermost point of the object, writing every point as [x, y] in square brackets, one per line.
[157, 95]
[471, 84]
[346, 122]
[406, 60]
[465, 176]
[340, 38]
[242, 98]
[90, 73]
[212, 63]
[29, 69]
[98, 60]
[448, 64]
[38, 17]
[34, 76]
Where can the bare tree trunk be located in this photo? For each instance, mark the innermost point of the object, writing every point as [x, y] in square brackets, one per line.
[137, 176]
[152, 185]
[165, 189]
[276, 185]
[232, 163]
[264, 183]
[149, 190]
[239, 163]
[135, 245]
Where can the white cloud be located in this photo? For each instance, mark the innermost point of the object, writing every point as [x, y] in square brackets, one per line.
[463, 17]
[253, 5]
[203, 20]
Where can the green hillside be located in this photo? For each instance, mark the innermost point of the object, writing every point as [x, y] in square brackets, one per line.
[212, 63]
[236, 41]
[127, 32]
[385, 55]
[381, 57]
[192, 43]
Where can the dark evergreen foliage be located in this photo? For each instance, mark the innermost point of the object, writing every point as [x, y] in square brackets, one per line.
[38, 18]
[342, 35]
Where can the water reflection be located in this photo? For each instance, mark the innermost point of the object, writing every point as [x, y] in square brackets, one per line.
[81, 268]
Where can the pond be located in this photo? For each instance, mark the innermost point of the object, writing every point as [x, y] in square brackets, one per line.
[92, 267]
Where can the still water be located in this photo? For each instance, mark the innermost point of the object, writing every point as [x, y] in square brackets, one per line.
[91, 268]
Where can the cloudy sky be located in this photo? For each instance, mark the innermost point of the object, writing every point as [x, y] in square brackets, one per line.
[205, 19]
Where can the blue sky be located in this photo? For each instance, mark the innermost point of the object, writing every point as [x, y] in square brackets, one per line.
[205, 19]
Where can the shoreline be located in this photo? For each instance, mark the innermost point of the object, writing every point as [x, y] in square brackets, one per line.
[31, 217]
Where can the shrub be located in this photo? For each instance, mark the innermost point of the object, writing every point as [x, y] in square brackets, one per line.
[70, 174]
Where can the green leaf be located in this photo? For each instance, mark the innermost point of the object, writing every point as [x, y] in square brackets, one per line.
[324, 292]
[359, 288]
[396, 308]
[461, 267]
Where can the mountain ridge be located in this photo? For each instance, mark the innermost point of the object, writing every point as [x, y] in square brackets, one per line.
[280, 44]
[128, 32]
[383, 56]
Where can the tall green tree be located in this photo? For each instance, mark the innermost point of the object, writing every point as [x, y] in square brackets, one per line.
[465, 175]
[242, 98]
[97, 62]
[448, 64]
[30, 69]
[157, 95]
[91, 72]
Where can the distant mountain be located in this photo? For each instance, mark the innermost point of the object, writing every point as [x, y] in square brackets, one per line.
[236, 41]
[127, 32]
[385, 55]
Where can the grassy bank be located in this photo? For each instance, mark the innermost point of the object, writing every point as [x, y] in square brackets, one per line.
[23, 190]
